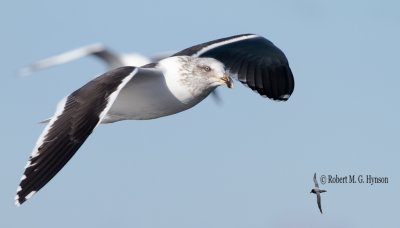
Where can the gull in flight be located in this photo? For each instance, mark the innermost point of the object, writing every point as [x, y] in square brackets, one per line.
[158, 89]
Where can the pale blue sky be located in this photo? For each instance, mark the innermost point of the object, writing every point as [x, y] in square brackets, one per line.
[246, 163]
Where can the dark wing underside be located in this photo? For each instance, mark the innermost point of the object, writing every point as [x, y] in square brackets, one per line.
[75, 118]
[315, 180]
[319, 202]
[255, 61]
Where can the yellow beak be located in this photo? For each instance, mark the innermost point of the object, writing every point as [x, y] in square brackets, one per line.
[227, 80]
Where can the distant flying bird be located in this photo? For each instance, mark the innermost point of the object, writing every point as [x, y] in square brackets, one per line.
[159, 89]
[318, 192]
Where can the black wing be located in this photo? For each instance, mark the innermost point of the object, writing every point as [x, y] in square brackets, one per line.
[75, 118]
[254, 60]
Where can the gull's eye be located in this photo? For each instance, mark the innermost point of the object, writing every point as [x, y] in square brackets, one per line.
[206, 68]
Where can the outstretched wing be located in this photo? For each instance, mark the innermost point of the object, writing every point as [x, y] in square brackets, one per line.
[315, 180]
[319, 202]
[74, 120]
[254, 61]
[98, 50]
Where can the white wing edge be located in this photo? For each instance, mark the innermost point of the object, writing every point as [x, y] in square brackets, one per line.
[225, 42]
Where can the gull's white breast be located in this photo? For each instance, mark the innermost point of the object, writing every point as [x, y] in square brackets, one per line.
[150, 94]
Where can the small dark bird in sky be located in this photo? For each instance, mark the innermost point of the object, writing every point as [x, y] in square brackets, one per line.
[318, 192]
